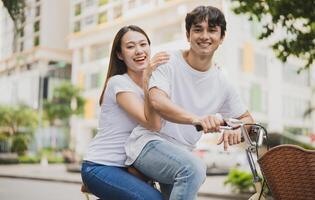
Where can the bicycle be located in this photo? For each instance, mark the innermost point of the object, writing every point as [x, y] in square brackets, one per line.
[287, 170]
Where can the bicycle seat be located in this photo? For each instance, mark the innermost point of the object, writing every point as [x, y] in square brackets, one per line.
[84, 189]
[290, 172]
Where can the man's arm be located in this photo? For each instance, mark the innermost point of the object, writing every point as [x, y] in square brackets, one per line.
[167, 109]
[246, 118]
[174, 113]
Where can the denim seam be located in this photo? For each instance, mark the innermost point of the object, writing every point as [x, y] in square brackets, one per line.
[150, 146]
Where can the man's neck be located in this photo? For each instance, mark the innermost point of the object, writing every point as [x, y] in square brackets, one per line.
[198, 62]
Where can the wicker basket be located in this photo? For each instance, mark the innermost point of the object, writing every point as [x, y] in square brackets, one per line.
[290, 172]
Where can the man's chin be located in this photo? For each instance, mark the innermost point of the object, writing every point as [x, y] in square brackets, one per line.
[204, 53]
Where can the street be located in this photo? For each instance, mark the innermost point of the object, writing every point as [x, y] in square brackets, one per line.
[21, 189]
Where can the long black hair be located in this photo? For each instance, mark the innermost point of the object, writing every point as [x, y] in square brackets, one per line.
[116, 65]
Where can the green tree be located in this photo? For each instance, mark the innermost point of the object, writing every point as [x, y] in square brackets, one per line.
[16, 9]
[66, 101]
[18, 124]
[295, 17]
[14, 120]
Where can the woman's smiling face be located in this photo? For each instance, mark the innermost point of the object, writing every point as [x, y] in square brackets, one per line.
[135, 51]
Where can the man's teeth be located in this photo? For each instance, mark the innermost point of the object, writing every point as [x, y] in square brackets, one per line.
[204, 44]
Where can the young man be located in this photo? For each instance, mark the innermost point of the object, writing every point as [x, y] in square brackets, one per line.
[189, 90]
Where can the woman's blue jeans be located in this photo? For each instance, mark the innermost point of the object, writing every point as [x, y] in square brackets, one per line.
[179, 172]
[115, 183]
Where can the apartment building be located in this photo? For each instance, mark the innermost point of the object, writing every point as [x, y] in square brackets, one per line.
[273, 92]
[41, 57]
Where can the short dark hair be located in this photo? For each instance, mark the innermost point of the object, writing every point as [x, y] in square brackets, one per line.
[213, 15]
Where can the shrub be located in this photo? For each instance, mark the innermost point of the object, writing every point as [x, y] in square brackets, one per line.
[240, 181]
[29, 159]
[19, 144]
[55, 159]
[52, 156]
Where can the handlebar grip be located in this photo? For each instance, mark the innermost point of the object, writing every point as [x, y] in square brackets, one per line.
[198, 127]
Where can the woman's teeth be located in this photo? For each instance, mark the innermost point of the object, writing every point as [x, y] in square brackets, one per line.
[139, 59]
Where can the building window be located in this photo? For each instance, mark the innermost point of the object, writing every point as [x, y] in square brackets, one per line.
[89, 3]
[260, 65]
[102, 17]
[89, 20]
[102, 2]
[131, 4]
[37, 11]
[36, 41]
[99, 51]
[77, 26]
[258, 99]
[89, 109]
[36, 26]
[247, 58]
[94, 81]
[77, 9]
[255, 28]
[118, 11]
[21, 46]
[23, 18]
[295, 108]
[290, 75]
[22, 32]
[81, 58]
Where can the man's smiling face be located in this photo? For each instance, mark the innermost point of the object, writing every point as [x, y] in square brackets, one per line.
[204, 39]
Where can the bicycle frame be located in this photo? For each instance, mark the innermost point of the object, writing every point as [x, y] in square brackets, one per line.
[251, 147]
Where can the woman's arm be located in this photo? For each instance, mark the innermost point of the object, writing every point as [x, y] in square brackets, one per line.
[142, 111]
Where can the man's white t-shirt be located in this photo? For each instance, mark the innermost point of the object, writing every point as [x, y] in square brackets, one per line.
[115, 126]
[201, 93]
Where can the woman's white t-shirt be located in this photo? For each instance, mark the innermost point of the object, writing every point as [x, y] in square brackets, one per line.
[115, 125]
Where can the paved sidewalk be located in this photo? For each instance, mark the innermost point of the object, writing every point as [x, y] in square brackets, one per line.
[212, 188]
[51, 172]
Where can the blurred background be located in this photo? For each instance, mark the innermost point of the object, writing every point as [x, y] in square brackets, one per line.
[54, 56]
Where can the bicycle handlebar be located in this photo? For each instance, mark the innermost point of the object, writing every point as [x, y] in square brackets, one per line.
[233, 124]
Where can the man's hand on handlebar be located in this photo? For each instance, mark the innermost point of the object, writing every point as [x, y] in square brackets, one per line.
[231, 132]
[210, 123]
[230, 137]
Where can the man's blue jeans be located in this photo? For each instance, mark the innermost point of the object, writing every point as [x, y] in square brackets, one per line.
[179, 171]
[115, 183]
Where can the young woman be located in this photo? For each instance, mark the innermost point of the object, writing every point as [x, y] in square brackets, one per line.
[124, 105]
